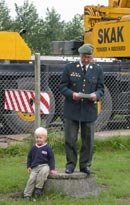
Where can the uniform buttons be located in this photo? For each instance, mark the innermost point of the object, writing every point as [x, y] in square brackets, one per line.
[84, 80]
[83, 90]
[82, 100]
[83, 85]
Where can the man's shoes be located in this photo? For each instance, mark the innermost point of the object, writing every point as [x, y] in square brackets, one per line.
[69, 170]
[86, 170]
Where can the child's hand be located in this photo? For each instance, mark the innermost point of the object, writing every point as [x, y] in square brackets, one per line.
[29, 170]
[53, 172]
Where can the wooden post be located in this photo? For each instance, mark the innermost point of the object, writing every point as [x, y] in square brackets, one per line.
[37, 91]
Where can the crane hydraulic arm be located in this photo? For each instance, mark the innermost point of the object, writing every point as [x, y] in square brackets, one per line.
[119, 3]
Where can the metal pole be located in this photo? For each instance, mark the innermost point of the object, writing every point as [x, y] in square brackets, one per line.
[37, 91]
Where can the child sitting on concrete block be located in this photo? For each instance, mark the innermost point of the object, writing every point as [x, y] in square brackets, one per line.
[40, 162]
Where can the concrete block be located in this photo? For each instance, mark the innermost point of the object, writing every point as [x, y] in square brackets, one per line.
[76, 185]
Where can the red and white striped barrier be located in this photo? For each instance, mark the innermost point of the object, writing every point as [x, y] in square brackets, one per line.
[24, 101]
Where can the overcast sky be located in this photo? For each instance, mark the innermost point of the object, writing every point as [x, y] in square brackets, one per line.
[66, 8]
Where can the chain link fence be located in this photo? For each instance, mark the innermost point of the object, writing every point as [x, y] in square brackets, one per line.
[17, 99]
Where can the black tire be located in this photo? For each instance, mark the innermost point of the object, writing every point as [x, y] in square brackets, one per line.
[106, 111]
[16, 123]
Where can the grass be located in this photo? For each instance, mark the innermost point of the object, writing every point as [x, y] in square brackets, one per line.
[111, 166]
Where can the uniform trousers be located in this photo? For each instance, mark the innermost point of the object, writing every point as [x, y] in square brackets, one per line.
[36, 179]
[87, 137]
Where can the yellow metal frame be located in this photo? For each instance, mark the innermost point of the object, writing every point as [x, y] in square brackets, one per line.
[99, 106]
[13, 47]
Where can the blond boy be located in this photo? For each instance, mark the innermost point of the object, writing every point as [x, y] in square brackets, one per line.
[40, 162]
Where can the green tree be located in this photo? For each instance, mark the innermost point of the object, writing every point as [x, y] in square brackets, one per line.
[40, 33]
[54, 29]
[5, 19]
[74, 29]
[27, 18]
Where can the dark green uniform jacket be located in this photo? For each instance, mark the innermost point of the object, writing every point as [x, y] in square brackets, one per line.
[74, 80]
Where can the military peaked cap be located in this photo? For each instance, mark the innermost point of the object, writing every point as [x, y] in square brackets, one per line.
[86, 49]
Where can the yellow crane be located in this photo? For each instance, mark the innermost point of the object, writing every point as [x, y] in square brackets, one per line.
[108, 28]
[13, 47]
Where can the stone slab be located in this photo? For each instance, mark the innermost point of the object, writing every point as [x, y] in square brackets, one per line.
[3, 145]
[76, 185]
[18, 137]
[3, 140]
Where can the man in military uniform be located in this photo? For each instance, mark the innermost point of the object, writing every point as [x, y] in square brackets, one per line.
[80, 111]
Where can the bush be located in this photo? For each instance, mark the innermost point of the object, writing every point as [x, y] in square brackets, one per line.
[111, 144]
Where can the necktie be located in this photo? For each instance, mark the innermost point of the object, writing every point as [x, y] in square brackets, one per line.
[84, 69]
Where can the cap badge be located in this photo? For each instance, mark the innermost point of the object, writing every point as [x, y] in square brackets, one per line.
[77, 65]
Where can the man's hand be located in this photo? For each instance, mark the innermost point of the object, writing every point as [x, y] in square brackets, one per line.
[29, 170]
[53, 172]
[76, 96]
[93, 97]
